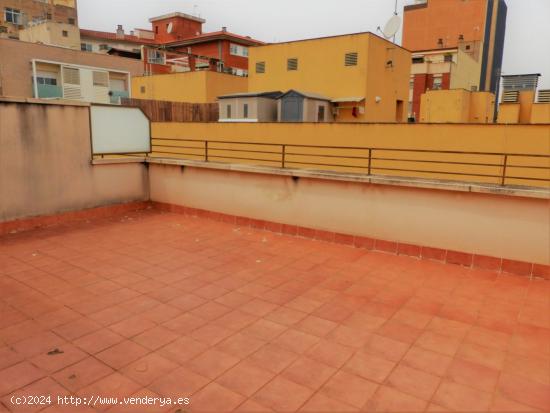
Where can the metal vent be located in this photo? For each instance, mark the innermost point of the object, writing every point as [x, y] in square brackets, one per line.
[510, 96]
[351, 59]
[260, 67]
[544, 96]
[292, 64]
[71, 76]
[520, 82]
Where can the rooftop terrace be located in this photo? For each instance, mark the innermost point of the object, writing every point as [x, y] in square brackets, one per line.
[150, 303]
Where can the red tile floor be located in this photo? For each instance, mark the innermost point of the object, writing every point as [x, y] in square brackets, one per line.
[164, 305]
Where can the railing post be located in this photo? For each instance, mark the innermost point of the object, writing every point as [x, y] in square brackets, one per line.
[504, 169]
[205, 151]
[283, 156]
[370, 159]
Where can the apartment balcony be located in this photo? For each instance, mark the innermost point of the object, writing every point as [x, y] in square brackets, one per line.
[49, 92]
[246, 285]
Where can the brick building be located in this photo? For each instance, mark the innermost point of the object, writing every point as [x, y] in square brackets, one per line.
[15, 15]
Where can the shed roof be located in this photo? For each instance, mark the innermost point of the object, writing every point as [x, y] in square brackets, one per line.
[308, 95]
[269, 95]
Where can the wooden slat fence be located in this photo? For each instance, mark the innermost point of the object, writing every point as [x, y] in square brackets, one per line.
[164, 111]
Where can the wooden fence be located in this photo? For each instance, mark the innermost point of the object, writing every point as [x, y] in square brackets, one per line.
[164, 111]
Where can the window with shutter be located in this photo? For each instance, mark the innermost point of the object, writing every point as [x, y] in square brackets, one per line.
[71, 76]
[101, 79]
[260, 67]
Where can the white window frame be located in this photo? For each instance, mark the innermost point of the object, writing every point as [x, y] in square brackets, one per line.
[156, 57]
[238, 50]
[16, 16]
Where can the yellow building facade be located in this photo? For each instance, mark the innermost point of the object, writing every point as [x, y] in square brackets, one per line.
[365, 76]
[457, 106]
[191, 87]
[524, 111]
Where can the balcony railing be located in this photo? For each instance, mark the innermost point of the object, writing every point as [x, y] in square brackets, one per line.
[482, 167]
[49, 91]
[117, 95]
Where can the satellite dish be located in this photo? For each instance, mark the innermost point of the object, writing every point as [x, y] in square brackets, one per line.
[392, 26]
[170, 28]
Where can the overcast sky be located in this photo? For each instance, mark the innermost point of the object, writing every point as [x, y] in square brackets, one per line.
[527, 36]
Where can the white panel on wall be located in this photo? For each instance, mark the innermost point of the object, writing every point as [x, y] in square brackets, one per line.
[117, 129]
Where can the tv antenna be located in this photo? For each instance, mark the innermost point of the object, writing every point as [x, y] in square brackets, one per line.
[392, 26]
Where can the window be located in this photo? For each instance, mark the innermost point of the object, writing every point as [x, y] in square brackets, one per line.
[142, 89]
[101, 79]
[65, 33]
[351, 59]
[71, 76]
[71, 20]
[238, 50]
[245, 111]
[468, 47]
[46, 81]
[3, 29]
[156, 30]
[155, 57]
[292, 64]
[103, 47]
[13, 16]
[48, 16]
[448, 58]
[228, 111]
[417, 60]
[411, 84]
[260, 67]
[320, 114]
[85, 47]
[437, 83]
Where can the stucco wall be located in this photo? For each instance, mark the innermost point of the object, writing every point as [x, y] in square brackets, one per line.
[494, 225]
[45, 165]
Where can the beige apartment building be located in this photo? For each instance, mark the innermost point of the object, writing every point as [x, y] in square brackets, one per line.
[50, 72]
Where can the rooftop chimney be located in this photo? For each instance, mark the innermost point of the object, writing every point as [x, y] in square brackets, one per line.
[119, 31]
[224, 29]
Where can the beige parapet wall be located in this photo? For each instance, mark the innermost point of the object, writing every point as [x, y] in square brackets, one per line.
[501, 226]
[45, 163]
[499, 139]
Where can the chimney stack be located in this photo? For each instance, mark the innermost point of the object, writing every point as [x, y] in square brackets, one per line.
[224, 29]
[119, 31]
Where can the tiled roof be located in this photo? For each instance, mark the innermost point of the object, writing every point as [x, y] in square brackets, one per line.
[188, 40]
[113, 36]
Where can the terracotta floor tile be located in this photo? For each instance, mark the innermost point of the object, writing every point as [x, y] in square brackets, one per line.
[155, 338]
[273, 357]
[38, 344]
[264, 329]
[524, 391]
[399, 331]
[212, 363]
[349, 388]
[296, 341]
[308, 372]
[58, 358]
[113, 385]
[81, 374]
[331, 353]
[322, 403]
[43, 387]
[386, 347]
[211, 334]
[438, 343]
[233, 299]
[351, 337]
[148, 368]
[132, 326]
[414, 382]
[98, 341]
[458, 397]
[17, 376]
[240, 345]
[210, 310]
[285, 316]
[181, 382]
[122, 354]
[387, 399]
[215, 398]
[533, 368]
[184, 324]
[364, 321]
[502, 404]
[235, 320]
[245, 378]
[427, 360]
[282, 395]
[304, 304]
[8, 357]
[77, 328]
[316, 326]
[369, 367]
[182, 349]
[258, 307]
[485, 356]
[250, 406]
[473, 374]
